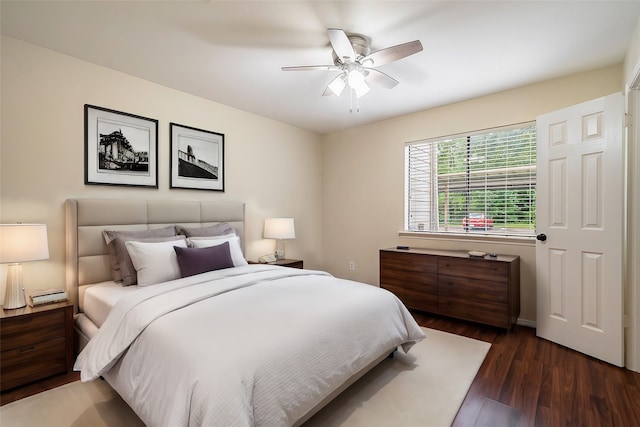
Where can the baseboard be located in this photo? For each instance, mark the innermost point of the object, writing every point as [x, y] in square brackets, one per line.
[527, 323]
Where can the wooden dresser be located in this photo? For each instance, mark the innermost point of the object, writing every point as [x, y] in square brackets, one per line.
[37, 342]
[452, 283]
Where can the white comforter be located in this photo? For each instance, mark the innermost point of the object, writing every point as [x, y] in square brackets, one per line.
[248, 346]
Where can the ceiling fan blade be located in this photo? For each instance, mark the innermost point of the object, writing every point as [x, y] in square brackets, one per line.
[310, 67]
[381, 79]
[390, 54]
[341, 45]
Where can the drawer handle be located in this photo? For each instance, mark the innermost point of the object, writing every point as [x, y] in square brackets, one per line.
[27, 349]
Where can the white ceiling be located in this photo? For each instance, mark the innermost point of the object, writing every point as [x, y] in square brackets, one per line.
[231, 51]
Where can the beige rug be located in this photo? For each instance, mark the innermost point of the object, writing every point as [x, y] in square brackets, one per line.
[424, 387]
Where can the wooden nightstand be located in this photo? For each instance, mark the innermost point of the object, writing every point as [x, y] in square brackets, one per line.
[293, 263]
[37, 342]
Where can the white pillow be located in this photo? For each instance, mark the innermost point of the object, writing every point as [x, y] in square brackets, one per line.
[234, 246]
[155, 262]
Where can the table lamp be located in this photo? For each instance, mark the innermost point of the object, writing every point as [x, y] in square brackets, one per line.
[20, 243]
[279, 229]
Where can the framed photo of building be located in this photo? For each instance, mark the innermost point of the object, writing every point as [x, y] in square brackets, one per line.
[197, 158]
[119, 148]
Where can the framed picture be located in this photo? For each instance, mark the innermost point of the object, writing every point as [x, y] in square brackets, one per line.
[119, 148]
[197, 158]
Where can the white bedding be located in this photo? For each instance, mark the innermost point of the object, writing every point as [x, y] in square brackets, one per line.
[254, 346]
[99, 299]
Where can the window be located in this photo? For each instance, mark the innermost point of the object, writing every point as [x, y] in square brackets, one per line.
[481, 183]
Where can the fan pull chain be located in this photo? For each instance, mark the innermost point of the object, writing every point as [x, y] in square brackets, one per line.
[350, 100]
[351, 93]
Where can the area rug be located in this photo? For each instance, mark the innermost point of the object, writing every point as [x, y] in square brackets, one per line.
[423, 387]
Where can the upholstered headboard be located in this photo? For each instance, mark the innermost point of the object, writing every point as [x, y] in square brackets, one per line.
[87, 258]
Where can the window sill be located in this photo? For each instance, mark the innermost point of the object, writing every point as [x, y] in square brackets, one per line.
[481, 238]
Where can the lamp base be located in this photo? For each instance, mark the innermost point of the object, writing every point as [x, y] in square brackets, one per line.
[14, 293]
[279, 253]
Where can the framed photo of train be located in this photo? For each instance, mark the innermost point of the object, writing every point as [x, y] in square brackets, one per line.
[197, 158]
[120, 148]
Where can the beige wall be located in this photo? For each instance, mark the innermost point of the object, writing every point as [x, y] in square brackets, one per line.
[363, 199]
[274, 168]
[344, 189]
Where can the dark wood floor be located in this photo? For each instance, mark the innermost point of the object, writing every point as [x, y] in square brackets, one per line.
[535, 382]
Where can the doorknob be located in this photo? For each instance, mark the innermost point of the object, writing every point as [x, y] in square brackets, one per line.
[542, 237]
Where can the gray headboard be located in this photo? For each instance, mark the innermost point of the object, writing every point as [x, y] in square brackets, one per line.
[87, 259]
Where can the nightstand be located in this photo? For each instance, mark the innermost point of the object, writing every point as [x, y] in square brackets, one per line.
[37, 342]
[293, 263]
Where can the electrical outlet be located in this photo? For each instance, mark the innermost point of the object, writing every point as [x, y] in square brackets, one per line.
[352, 265]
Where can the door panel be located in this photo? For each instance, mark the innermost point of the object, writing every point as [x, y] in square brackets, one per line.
[580, 207]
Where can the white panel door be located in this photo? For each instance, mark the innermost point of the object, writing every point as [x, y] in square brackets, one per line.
[580, 211]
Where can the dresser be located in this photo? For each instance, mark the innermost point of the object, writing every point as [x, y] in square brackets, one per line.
[453, 283]
[37, 342]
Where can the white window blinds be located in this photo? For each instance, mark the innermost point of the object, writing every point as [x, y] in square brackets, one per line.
[483, 182]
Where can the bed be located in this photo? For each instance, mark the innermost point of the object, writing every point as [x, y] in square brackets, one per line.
[246, 345]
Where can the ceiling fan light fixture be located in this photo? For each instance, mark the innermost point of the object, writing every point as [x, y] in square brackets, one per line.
[362, 90]
[357, 83]
[355, 61]
[355, 78]
[338, 84]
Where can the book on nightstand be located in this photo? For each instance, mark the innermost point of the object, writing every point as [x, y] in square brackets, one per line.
[47, 296]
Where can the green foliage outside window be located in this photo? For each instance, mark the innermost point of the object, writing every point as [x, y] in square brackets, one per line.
[493, 173]
[515, 208]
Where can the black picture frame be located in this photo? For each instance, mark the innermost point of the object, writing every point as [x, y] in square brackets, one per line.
[120, 148]
[197, 158]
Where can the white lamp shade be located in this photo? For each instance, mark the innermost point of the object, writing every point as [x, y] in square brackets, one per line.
[23, 242]
[279, 228]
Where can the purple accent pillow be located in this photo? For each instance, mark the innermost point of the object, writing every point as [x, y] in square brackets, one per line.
[194, 261]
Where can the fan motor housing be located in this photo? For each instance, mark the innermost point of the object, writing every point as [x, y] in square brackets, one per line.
[360, 46]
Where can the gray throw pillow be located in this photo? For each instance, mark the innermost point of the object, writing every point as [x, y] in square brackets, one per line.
[121, 264]
[209, 231]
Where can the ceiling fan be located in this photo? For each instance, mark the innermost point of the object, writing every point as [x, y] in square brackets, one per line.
[352, 57]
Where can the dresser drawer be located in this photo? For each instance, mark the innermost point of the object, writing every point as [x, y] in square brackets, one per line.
[414, 282]
[476, 290]
[412, 277]
[409, 271]
[480, 269]
[32, 362]
[478, 300]
[20, 331]
[489, 313]
[408, 263]
[426, 299]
